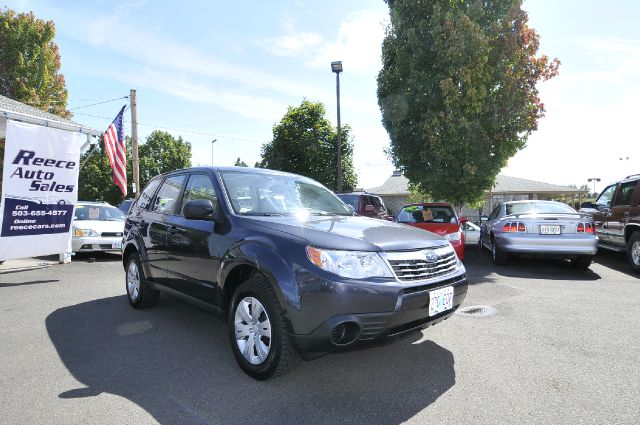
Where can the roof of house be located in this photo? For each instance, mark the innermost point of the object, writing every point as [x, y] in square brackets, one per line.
[398, 185]
[10, 106]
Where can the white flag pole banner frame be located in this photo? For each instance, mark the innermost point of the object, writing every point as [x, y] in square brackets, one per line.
[39, 190]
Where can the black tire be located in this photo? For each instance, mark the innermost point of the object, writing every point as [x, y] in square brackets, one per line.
[145, 296]
[582, 262]
[282, 356]
[633, 245]
[498, 256]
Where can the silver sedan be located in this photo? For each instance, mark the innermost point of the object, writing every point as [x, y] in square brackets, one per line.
[539, 228]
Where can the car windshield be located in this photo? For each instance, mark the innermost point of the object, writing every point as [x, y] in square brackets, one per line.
[276, 194]
[98, 212]
[539, 208]
[426, 214]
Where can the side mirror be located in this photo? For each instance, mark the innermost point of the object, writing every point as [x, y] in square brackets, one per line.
[369, 208]
[464, 219]
[200, 209]
[587, 205]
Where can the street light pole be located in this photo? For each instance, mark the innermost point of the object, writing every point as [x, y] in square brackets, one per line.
[594, 180]
[337, 68]
[212, 142]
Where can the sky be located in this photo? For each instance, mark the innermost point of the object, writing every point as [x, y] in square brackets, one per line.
[228, 71]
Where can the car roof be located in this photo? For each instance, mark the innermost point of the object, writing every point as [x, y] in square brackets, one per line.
[429, 204]
[102, 203]
[250, 170]
[533, 200]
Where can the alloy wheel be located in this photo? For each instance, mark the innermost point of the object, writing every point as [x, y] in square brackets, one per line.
[253, 330]
[133, 281]
[635, 253]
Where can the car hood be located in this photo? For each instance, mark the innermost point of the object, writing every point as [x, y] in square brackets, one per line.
[352, 233]
[100, 226]
[438, 228]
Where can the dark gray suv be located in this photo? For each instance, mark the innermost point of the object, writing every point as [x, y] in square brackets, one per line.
[285, 263]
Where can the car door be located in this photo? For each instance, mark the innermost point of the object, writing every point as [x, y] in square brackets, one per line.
[603, 211]
[191, 267]
[142, 219]
[157, 218]
[620, 208]
[485, 227]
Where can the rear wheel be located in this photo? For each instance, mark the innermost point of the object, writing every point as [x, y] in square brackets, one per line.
[582, 262]
[257, 331]
[139, 293]
[633, 251]
[498, 256]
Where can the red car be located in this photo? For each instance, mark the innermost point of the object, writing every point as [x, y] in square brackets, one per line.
[439, 218]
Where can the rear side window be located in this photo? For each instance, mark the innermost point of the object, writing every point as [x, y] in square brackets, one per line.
[167, 196]
[625, 193]
[147, 194]
[199, 186]
[495, 212]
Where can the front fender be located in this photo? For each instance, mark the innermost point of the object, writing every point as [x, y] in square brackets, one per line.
[263, 257]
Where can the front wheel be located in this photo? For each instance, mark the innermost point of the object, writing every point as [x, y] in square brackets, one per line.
[257, 331]
[633, 251]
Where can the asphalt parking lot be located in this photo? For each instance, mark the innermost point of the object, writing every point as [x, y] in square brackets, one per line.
[562, 348]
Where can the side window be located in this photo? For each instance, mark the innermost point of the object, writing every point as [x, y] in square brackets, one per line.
[605, 197]
[625, 192]
[199, 186]
[147, 194]
[167, 196]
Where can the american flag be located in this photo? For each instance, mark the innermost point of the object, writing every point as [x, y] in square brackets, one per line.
[116, 148]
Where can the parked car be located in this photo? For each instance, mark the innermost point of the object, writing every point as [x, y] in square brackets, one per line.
[616, 214]
[539, 228]
[439, 218]
[125, 205]
[97, 226]
[288, 264]
[471, 233]
[365, 204]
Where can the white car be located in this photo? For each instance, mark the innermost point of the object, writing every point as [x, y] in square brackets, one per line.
[97, 226]
[471, 233]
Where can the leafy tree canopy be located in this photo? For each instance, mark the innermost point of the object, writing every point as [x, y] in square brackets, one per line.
[30, 62]
[304, 142]
[160, 154]
[457, 91]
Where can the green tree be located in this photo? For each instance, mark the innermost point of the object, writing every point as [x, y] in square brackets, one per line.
[160, 154]
[304, 142]
[457, 91]
[30, 62]
[240, 163]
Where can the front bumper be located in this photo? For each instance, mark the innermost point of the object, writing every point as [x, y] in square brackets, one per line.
[566, 244]
[96, 243]
[408, 312]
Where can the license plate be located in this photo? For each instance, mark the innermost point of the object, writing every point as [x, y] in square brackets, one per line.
[549, 230]
[440, 300]
[116, 245]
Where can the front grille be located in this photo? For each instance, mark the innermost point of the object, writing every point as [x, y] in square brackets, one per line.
[111, 234]
[415, 266]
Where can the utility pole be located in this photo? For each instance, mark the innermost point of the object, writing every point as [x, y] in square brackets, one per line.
[134, 142]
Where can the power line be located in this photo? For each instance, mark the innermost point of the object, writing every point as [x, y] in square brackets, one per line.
[201, 133]
[99, 103]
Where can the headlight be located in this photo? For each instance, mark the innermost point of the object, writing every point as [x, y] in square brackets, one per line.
[79, 233]
[453, 236]
[351, 264]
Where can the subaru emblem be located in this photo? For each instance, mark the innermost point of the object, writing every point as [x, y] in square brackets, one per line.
[430, 256]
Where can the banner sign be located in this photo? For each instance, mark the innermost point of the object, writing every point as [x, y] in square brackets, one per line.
[39, 190]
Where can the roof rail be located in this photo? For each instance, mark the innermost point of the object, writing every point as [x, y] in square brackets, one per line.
[632, 175]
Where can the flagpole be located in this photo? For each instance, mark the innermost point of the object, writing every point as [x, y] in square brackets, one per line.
[134, 143]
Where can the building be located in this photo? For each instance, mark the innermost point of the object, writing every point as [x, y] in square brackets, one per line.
[395, 193]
